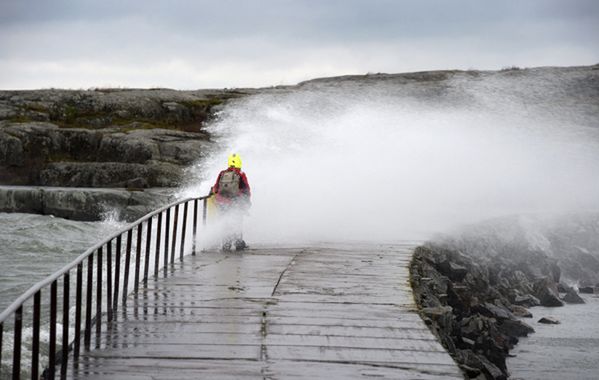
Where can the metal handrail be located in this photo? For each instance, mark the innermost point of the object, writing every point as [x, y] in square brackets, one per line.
[112, 294]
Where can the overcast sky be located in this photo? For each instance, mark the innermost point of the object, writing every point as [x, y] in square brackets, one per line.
[188, 44]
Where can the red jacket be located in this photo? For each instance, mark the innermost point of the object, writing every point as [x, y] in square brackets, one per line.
[244, 186]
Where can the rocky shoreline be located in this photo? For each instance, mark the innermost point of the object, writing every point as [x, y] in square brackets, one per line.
[104, 138]
[475, 304]
[83, 204]
[77, 154]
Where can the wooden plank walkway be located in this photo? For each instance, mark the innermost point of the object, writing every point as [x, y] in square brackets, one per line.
[326, 312]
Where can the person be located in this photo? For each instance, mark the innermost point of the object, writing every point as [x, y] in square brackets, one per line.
[232, 197]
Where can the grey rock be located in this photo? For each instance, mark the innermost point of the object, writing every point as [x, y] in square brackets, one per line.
[515, 328]
[527, 300]
[520, 311]
[571, 295]
[546, 291]
[549, 321]
[85, 204]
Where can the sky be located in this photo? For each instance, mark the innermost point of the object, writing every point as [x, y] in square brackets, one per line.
[185, 44]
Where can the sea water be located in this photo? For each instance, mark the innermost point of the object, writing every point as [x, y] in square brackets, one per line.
[569, 350]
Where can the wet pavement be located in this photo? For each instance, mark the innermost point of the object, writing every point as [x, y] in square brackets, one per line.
[335, 312]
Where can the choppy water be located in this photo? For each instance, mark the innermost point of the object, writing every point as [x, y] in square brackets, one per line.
[569, 350]
[33, 247]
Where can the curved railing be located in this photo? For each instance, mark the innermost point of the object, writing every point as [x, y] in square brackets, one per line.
[145, 247]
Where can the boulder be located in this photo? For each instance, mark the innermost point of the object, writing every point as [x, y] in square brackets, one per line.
[549, 321]
[515, 328]
[493, 311]
[546, 291]
[527, 300]
[571, 296]
[520, 311]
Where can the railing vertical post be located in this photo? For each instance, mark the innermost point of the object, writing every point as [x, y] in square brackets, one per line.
[99, 297]
[109, 281]
[195, 227]
[183, 231]
[148, 246]
[52, 344]
[167, 232]
[1, 336]
[35, 343]
[88, 301]
[117, 275]
[138, 256]
[78, 291]
[204, 211]
[174, 242]
[16, 352]
[157, 253]
[127, 265]
[65, 324]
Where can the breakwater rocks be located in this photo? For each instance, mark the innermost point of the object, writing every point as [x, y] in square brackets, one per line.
[104, 138]
[475, 304]
[81, 203]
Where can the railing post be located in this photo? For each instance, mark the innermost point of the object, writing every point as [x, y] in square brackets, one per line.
[16, 351]
[78, 291]
[117, 275]
[65, 325]
[167, 231]
[88, 301]
[195, 227]
[109, 281]
[138, 256]
[127, 265]
[183, 230]
[174, 242]
[52, 344]
[99, 297]
[1, 336]
[148, 246]
[35, 343]
[157, 253]
[204, 211]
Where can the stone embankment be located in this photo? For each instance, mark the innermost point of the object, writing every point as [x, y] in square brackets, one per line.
[475, 304]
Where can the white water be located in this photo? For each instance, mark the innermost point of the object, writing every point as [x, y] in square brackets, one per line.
[381, 161]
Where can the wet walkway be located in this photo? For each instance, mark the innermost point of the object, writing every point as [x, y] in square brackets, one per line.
[327, 312]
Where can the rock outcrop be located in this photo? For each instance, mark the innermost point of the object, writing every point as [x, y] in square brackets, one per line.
[104, 138]
[82, 203]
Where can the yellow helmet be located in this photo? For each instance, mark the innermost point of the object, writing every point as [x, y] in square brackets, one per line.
[235, 161]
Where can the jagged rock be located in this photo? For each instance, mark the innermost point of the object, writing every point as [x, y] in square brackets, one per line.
[441, 315]
[520, 311]
[546, 291]
[515, 328]
[484, 365]
[571, 295]
[493, 311]
[527, 300]
[549, 320]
